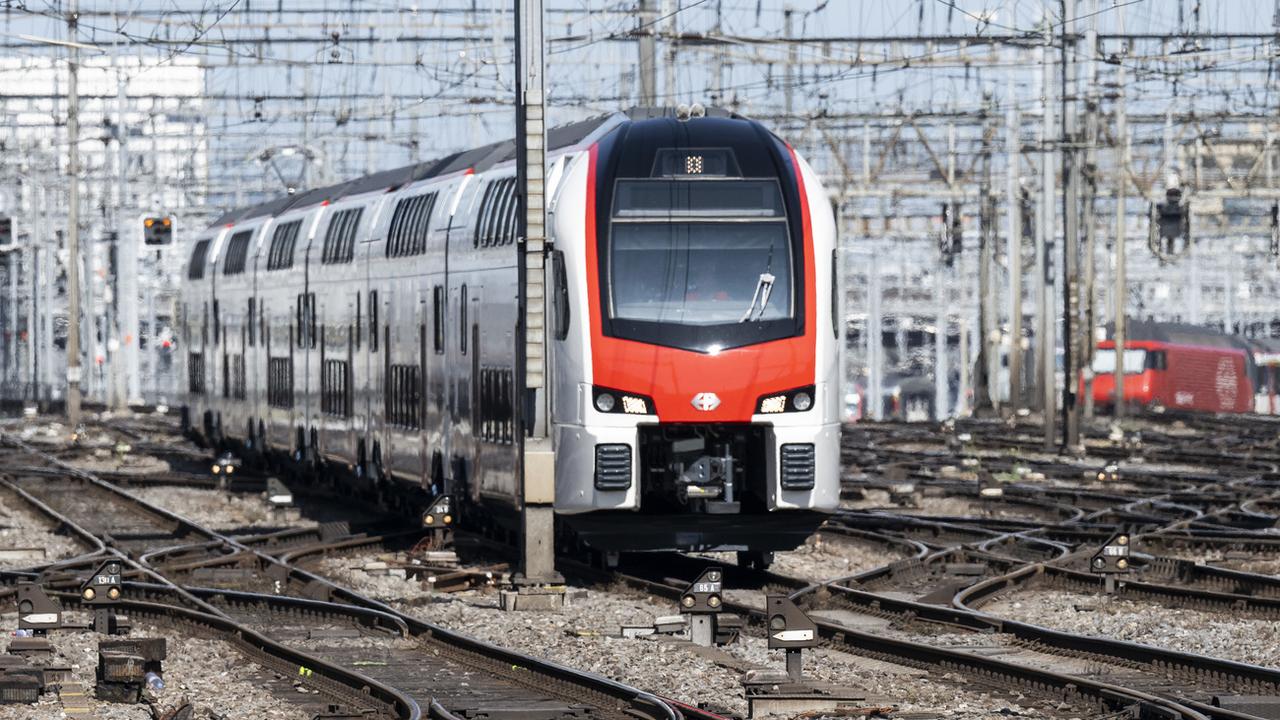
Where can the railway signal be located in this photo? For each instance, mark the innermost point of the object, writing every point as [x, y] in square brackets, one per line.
[791, 630]
[703, 600]
[1111, 560]
[438, 520]
[157, 230]
[37, 611]
[102, 589]
[1169, 230]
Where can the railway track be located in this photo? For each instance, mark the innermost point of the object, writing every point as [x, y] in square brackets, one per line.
[402, 667]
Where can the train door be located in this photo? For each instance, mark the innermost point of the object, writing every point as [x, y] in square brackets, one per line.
[459, 350]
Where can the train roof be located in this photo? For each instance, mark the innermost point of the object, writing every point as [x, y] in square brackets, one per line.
[479, 159]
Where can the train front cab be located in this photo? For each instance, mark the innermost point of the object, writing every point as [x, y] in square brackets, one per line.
[1162, 375]
[1140, 380]
[694, 340]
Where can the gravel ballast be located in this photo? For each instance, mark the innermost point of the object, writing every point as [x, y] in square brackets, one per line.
[21, 527]
[208, 673]
[1220, 635]
[585, 635]
[218, 510]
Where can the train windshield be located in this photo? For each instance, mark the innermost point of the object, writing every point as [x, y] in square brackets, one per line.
[700, 264]
[700, 273]
[1104, 362]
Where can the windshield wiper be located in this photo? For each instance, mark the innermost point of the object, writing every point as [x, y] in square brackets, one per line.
[764, 287]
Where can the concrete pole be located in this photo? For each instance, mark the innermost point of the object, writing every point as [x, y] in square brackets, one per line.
[669, 71]
[1121, 291]
[985, 394]
[940, 404]
[1013, 200]
[33, 272]
[1071, 234]
[73, 220]
[648, 66]
[536, 458]
[127, 259]
[9, 378]
[790, 67]
[36, 338]
[1045, 233]
[45, 351]
[1088, 314]
[962, 392]
[875, 341]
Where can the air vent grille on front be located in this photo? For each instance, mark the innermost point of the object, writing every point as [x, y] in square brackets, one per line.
[797, 466]
[613, 467]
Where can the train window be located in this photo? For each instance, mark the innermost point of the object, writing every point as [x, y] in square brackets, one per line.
[283, 240]
[204, 326]
[496, 221]
[437, 311]
[359, 329]
[340, 238]
[199, 257]
[481, 234]
[297, 319]
[237, 377]
[407, 234]
[705, 198]
[497, 420]
[560, 296]
[313, 330]
[1135, 361]
[237, 252]
[280, 382]
[217, 323]
[1157, 360]
[462, 319]
[250, 320]
[195, 373]
[373, 321]
[403, 395]
[335, 388]
[226, 375]
[505, 213]
[835, 293]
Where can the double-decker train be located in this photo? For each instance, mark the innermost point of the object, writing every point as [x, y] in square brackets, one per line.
[369, 329]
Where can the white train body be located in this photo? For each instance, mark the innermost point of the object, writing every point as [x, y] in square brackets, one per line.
[370, 329]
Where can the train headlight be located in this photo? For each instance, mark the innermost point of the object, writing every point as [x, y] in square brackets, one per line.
[606, 400]
[632, 405]
[775, 404]
[795, 400]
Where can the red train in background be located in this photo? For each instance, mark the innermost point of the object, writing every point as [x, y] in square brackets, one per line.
[1171, 366]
